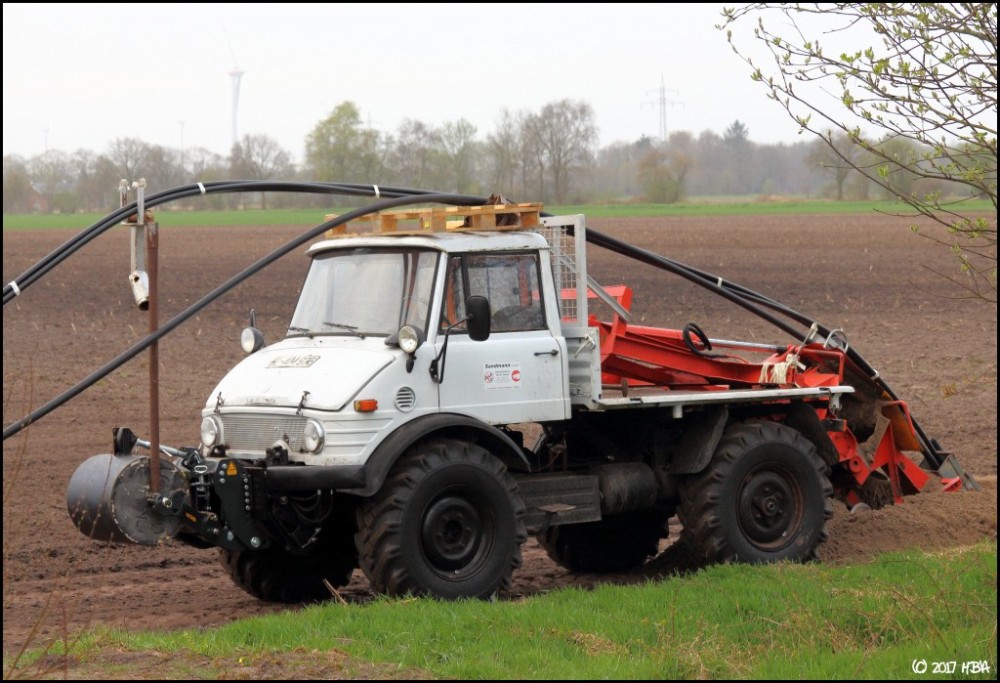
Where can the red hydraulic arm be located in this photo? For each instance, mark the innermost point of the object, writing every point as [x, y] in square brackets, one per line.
[679, 360]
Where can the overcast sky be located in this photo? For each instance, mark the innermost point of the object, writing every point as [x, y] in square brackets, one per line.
[78, 76]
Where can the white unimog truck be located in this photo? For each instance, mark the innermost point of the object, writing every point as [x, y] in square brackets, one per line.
[387, 430]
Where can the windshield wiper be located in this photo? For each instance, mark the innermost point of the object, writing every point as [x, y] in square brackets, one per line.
[293, 328]
[353, 329]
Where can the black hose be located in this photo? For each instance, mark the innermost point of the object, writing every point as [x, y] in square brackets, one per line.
[704, 279]
[78, 241]
[752, 302]
[737, 294]
[706, 344]
[194, 308]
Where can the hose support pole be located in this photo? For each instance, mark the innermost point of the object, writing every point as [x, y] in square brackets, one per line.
[145, 282]
[152, 254]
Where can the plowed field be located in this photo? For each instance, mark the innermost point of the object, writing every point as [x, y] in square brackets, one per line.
[869, 275]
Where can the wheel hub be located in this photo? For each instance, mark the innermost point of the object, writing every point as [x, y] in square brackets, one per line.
[770, 507]
[453, 533]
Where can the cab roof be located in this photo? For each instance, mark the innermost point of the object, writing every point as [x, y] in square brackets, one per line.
[457, 241]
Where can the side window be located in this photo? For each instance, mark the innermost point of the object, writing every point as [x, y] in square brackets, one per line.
[454, 296]
[509, 281]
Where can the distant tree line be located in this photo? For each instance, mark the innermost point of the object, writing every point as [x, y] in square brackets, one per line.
[551, 155]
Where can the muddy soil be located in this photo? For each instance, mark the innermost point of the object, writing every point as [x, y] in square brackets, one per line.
[869, 275]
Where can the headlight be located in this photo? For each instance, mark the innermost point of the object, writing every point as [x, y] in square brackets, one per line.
[211, 432]
[313, 436]
[251, 339]
[410, 338]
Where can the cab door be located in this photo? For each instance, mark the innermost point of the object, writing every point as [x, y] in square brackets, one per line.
[517, 375]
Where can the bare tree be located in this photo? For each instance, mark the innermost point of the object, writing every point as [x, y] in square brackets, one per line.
[712, 155]
[459, 141]
[260, 157]
[566, 135]
[128, 156]
[52, 177]
[162, 168]
[830, 157]
[534, 160]
[615, 170]
[503, 152]
[417, 155]
[96, 180]
[929, 79]
[17, 190]
[205, 165]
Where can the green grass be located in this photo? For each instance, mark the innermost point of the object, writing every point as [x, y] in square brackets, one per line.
[749, 206]
[164, 217]
[784, 621]
[722, 206]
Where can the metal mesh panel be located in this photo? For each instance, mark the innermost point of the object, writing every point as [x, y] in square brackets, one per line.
[563, 254]
[260, 432]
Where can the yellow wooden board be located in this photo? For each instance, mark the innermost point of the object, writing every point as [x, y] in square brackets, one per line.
[443, 219]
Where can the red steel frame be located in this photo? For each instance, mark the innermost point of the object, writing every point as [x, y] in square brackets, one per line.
[638, 356]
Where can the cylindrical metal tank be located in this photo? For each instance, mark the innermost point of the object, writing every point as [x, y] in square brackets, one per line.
[107, 499]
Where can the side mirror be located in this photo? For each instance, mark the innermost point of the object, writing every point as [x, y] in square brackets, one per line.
[477, 321]
[477, 310]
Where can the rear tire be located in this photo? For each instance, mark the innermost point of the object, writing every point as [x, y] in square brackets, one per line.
[764, 497]
[448, 522]
[614, 544]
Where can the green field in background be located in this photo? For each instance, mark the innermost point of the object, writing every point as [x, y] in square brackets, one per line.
[725, 206]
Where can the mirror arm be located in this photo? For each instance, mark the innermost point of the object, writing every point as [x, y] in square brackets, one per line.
[437, 365]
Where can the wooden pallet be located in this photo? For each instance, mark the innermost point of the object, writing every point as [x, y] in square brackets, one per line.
[443, 219]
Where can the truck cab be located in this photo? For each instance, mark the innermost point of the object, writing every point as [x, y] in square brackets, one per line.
[329, 392]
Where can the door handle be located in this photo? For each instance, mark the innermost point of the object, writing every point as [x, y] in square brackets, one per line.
[553, 352]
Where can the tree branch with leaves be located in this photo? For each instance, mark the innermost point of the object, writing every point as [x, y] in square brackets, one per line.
[926, 78]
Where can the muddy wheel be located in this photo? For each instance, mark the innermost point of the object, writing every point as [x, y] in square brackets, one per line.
[448, 522]
[765, 496]
[614, 544]
[278, 576]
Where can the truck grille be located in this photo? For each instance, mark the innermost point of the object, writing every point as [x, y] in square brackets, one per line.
[259, 432]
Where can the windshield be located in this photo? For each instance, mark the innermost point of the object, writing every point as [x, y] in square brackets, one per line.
[365, 291]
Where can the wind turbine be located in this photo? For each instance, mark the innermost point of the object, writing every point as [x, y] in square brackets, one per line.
[236, 75]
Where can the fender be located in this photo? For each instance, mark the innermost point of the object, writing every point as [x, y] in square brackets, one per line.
[702, 433]
[439, 424]
[806, 422]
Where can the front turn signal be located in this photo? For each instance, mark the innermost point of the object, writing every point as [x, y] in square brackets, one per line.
[366, 405]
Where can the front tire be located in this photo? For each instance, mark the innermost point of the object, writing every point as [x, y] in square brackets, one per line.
[764, 497]
[278, 576]
[448, 522]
